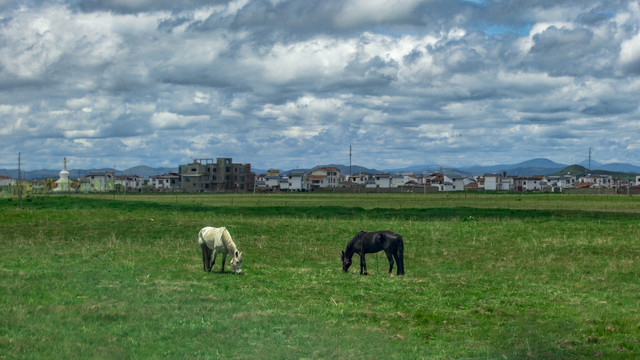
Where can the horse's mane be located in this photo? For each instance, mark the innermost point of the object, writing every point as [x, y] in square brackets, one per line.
[351, 244]
[227, 241]
[349, 248]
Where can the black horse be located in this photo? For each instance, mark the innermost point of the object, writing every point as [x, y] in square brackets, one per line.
[372, 242]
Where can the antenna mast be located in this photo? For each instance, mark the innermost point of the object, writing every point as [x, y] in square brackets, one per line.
[350, 172]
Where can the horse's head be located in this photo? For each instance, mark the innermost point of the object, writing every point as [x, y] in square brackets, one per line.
[346, 262]
[236, 262]
[346, 258]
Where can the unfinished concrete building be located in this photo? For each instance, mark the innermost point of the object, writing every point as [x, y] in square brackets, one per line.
[205, 175]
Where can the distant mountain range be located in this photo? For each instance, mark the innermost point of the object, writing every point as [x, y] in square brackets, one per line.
[540, 166]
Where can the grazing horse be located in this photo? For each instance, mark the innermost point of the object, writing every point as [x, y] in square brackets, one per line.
[214, 240]
[372, 242]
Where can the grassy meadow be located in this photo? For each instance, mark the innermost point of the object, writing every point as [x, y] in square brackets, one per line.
[505, 276]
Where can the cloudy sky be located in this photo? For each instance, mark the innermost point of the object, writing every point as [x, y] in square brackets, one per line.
[287, 84]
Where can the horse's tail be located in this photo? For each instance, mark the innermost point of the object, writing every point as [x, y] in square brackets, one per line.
[201, 238]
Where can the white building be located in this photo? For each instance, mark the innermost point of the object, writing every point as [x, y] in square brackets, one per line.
[604, 181]
[297, 181]
[128, 182]
[564, 181]
[533, 183]
[6, 181]
[167, 182]
[272, 181]
[436, 180]
[284, 183]
[360, 179]
[397, 181]
[458, 183]
[326, 177]
[101, 181]
[491, 182]
[505, 184]
[382, 181]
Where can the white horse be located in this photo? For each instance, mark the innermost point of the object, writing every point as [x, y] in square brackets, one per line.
[214, 240]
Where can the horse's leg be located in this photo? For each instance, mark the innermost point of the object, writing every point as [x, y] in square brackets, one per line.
[224, 259]
[400, 258]
[212, 259]
[363, 265]
[205, 260]
[390, 258]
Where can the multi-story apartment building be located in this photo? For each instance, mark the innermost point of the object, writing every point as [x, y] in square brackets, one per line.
[604, 181]
[325, 177]
[128, 182]
[297, 181]
[99, 181]
[204, 175]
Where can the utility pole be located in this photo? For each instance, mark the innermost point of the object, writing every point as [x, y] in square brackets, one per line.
[19, 180]
[350, 172]
[589, 159]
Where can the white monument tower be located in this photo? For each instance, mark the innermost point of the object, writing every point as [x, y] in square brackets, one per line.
[63, 182]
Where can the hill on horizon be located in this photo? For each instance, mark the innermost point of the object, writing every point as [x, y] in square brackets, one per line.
[580, 171]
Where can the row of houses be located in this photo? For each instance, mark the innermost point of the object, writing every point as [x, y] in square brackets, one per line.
[207, 175]
[98, 181]
[330, 177]
[202, 175]
[102, 181]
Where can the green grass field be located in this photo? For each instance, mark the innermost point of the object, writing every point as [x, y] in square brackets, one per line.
[487, 277]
